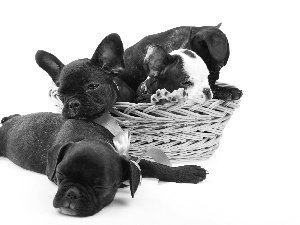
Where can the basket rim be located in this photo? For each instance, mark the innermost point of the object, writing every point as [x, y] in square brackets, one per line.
[187, 111]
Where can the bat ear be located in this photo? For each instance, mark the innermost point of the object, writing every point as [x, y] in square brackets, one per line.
[54, 157]
[156, 60]
[109, 54]
[50, 63]
[212, 41]
[131, 172]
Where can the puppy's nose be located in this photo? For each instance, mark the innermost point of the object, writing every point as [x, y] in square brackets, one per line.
[73, 193]
[207, 93]
[74, 104]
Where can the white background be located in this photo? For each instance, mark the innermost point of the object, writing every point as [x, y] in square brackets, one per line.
[253, 176]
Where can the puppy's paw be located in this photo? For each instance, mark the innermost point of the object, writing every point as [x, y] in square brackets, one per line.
[143, 99]
[189, 174]
[236, 93]
[227, 93]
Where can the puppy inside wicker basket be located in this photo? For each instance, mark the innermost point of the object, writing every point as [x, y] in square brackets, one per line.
[174, 77]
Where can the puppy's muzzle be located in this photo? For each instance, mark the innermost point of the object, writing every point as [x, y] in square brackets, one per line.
[71, 196]
[73, 107]
[72, 201]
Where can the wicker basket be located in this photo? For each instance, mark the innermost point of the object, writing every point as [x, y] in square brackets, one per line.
[185, 132]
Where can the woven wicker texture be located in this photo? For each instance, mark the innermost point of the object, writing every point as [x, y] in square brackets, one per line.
[185, 132]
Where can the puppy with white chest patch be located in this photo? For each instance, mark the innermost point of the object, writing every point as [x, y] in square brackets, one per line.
[181, 68]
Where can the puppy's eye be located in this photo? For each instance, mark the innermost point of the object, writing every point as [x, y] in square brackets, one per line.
[59, 95]
[100, 188]
[59, 177]
[92, 86]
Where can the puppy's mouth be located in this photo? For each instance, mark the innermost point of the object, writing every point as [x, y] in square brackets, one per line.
[71, 212]
[82, 110]
[68, 211]
[86, 116]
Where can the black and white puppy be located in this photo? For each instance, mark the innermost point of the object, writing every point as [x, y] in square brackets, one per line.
[181, 68]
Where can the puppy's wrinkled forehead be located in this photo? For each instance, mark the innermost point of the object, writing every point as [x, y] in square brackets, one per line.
[80, 160]
[77, 74]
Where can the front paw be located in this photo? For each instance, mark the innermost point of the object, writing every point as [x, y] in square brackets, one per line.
[143, 99]
[188, 174]
[227, 93]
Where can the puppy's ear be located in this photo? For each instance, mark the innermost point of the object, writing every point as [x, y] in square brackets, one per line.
[54, 157]
[156, 60]
[132, 173]
[50, 63]
[212, 41]
[109, 54]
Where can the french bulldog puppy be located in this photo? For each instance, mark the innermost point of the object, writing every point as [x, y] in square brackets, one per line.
[76, 153]
[208, 42]
[81, 158]
[78, 156]
[181, 68]
[89, 87]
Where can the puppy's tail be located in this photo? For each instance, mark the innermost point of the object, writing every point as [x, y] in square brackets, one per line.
[1, 141]
[4, 119]
[2, 132]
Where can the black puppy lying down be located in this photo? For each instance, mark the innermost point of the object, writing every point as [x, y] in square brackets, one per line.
[80, 157]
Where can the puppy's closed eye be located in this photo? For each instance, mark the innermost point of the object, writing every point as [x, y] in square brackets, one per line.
[101, 188]
[92, 86]
[59, 177]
